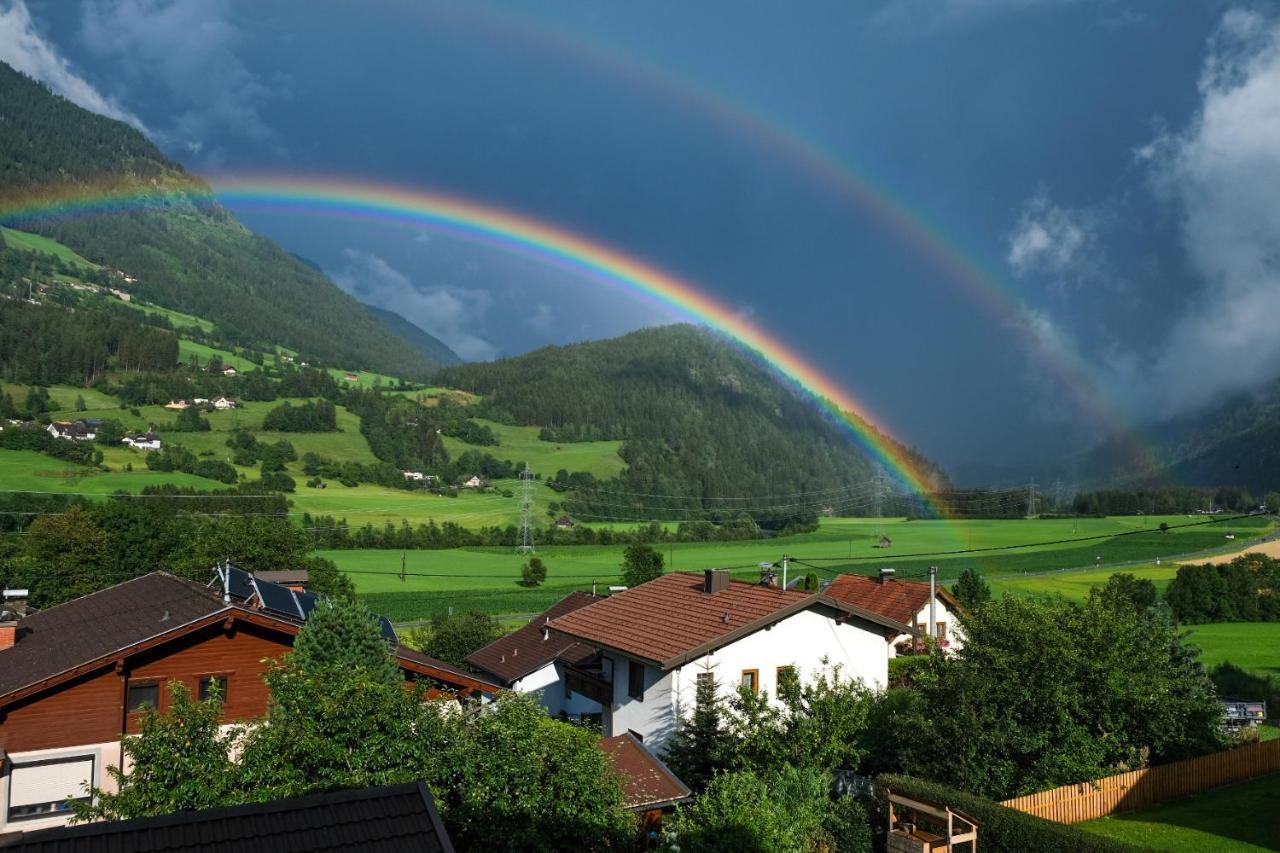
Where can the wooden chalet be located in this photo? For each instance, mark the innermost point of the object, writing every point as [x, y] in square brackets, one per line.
[74, 678]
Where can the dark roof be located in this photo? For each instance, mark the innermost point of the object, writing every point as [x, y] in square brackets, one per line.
[896, 599]
[392, 818]
[96, 626]
[92, 626]
[523, 651]
[647, 783]
[670, 620]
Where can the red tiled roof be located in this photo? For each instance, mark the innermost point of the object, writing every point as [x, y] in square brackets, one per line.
[647, 783]
[514, 656]
[895, 599]
[669, 617]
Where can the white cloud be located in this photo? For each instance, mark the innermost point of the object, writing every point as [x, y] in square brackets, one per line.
[1051, 238]
[191, 49]
[1223, 169]
[449, 313]
[23, 47]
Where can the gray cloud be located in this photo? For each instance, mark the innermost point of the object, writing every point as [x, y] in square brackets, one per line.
[191, 48]
[449, 313]
[23, 47]
[1222, 171]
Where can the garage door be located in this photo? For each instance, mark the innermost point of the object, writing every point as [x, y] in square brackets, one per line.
[40, 788]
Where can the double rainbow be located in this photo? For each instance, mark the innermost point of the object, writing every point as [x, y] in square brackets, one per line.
[521, 234]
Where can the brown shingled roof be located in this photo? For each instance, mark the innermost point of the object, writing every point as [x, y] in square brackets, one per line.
[647, 783]
[896, 599]
[524, 650]
[670, 620]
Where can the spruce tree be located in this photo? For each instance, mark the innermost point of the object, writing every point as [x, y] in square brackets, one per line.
[344, 635]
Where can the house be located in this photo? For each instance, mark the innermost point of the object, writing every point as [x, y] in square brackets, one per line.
[906, 602]
[386, 819]
[81, 430]
[142, 441]
[224, 403]
[564, 522]
[473, 483]
[649, 788]
[535, 659]
[294, 579]
[74, 677]
[657, 641]
[351, 377]
[177, 405]
[200, 401]
[418, 476]
[229, 371]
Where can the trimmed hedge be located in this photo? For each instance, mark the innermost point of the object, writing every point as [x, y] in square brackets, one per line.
[1002, 829]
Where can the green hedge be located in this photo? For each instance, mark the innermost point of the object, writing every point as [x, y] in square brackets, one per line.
[1002, 829]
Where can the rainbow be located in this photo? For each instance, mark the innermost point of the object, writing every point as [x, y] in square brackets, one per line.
[828, 170]
[520, 234]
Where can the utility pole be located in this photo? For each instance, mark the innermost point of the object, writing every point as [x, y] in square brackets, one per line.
[1031, 498]
[933, 599]
[402, 566]
[526, 511]
[784, 571]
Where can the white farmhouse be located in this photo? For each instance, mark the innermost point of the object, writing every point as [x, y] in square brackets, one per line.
[473, 482]
[906, 602]
[224, 403]
[535, 659]
[143, 441]
[658, 640]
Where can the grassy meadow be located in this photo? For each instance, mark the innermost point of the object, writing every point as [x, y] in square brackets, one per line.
[521, 444]
[28, 242]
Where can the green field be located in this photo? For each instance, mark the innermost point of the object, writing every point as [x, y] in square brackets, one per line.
[1076, 584]
[489, 577]
[23, 470]
[1240, 818]
[36, 243]
[1254, 646]
[365, 379]
[178, 318]
[187, 349]
[521, 444]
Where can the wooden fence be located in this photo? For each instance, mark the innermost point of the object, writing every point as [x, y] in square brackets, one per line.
[1151, 786]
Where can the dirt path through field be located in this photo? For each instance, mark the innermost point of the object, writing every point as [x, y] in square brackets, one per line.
[1271, 549]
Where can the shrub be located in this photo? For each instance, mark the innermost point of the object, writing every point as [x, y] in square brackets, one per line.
[1002, 829]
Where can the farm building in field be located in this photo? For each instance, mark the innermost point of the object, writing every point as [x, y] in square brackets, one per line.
[906, 602]
[229, 371]
[351, 377]
[659, 640]
[142, 441]
[82, 430]
[73, 678]
[473, 482]
[177, 405]
[536, 659]
[564, 522]
[222, 404]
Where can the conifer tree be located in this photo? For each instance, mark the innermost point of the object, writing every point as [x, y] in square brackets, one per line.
[344, 635]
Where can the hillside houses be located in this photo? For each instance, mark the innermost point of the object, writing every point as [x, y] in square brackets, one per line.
[74, 678]
[81, 430]
[142, 441]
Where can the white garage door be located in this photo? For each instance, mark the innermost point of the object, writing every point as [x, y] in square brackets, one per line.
[40, 788]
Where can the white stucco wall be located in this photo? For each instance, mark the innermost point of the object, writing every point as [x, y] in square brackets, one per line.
[548, 684]
[801, 640]
[104, 754]
[944, 613]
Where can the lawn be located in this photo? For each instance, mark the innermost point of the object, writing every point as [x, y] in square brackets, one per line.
[1241, 818]
[1076, 584]
[521, 444]
[364, 379]
[187, 349]
[24, 470]
[35, 243]
[178, 318]
[1254, 646]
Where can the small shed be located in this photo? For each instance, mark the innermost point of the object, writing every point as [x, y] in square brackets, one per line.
[885, 542]
[564, 522]
[916, 826]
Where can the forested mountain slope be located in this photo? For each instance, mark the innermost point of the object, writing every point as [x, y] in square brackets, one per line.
[422, 340]
[698, 417]
[188, 253]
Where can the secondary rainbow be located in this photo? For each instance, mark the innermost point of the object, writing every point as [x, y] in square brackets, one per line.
[522, 234]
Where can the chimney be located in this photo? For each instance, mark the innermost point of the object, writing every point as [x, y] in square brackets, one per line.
[886, 575]
[715, 580]
[15, 600]
[8, 635]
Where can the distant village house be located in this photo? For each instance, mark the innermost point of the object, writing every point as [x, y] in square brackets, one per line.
[143, 441]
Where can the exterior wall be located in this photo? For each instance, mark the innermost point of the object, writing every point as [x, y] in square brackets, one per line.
[944, 614]
[104, 755]
[548, 684]
[802, 641]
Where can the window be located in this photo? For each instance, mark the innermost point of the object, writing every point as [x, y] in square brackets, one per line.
[941, 633]
[751, 679]
[922, 628]
[786, 675]
[143, 696]
[635, 681]
[42, 788]
[206, 687]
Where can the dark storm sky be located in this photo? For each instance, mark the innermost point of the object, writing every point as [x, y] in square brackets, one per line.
[1104, 161]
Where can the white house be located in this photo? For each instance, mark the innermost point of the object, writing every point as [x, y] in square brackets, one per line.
[229, 371]
[177, 405]
[416, 476]
[535, 659]
[906, 602]
[658, 640]
[147, 441]
[78, 431]
[473, 483]
[224, 403]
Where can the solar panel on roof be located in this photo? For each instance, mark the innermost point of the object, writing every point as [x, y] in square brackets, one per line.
[277, 599]
[238, 584]
[388, 633]
[306, 602]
